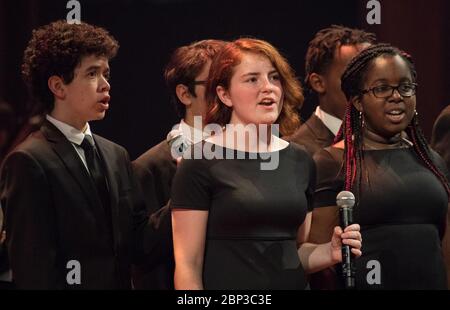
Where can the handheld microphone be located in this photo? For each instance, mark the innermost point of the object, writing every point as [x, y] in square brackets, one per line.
[345, 201]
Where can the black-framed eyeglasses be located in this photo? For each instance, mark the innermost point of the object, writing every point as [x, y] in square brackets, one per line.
[386, 91]
[198, 82]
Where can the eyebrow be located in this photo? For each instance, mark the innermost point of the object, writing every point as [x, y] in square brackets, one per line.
[386, 80]
[95, 67]
[257, 73]
[378, 80]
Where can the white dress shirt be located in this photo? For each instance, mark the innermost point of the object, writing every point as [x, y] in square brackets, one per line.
[182, 136]
[331, 122]
[73, 135]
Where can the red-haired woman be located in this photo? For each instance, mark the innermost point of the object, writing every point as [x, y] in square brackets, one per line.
[238, 224]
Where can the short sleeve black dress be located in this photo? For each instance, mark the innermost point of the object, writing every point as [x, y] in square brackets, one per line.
[402, 211]
[254, 215]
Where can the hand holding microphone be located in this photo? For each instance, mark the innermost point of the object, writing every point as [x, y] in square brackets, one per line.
[346, 241]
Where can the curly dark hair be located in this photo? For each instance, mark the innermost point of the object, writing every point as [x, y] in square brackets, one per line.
[56, 49]
[321, 49]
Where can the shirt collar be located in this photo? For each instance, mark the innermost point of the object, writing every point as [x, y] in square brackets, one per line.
[192, 134]
[71, 133]
[331, 122]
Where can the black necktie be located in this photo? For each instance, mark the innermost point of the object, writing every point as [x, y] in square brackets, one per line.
[96, 171]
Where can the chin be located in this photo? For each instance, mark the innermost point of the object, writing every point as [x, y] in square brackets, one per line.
[101, 115]
[399, 128]
[391, 132]
[97, 117]
[266, 122]
[269, 120]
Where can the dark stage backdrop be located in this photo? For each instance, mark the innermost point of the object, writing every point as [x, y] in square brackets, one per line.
[141, 114]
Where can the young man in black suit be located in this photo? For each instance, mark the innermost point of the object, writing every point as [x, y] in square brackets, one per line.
[73, 217]
[185, 75]
[328, 54]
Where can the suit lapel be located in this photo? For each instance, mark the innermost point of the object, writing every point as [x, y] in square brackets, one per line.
[319, 129]
[74, 165]
[166, 153]
[107, 155]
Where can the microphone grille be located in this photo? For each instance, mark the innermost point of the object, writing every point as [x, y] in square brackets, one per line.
[345, 198]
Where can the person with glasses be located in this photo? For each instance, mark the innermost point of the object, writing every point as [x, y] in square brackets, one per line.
[185, 75]
[400, 184]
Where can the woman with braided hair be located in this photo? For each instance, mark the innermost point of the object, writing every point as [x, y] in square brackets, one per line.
[400, 184]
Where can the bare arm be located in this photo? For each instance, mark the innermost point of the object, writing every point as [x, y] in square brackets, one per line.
[189, 234]
[315, 257]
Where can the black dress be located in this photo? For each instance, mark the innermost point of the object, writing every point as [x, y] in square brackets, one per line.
[253, 218]
[402, 210]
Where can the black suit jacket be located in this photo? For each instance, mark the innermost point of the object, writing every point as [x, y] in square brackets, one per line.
[53, 215]
[155, 170]
[156, 163]
[440, 140]
[313, 135]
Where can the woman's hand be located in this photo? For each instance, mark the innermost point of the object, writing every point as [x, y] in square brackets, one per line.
[350, 236]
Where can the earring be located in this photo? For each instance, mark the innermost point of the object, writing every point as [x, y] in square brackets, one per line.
[416, 118]
[361, 119]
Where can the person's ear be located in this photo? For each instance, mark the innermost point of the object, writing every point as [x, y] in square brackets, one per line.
[183, 94]
[57, 87]
[224, 96]
[356, 101]
[317, 83]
